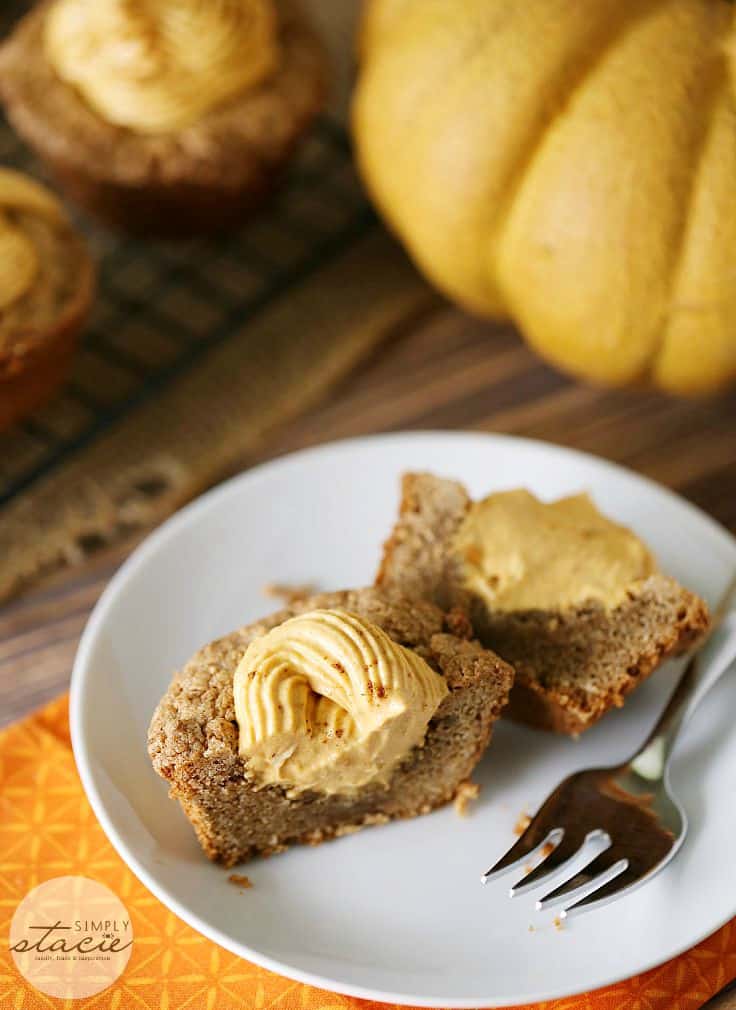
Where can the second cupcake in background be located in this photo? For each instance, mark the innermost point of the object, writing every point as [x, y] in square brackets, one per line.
[47, 281]
[164, 117]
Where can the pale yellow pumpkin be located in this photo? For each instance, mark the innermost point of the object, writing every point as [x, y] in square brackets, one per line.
[570, 164]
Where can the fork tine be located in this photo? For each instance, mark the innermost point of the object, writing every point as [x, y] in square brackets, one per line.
[565, 856]
[601, 871]
[604, 893]
[521, 852]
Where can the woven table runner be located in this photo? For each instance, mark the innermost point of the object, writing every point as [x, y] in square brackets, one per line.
[48, 830]
[210, 420]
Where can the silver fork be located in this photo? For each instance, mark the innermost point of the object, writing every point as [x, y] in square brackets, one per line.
[604, 831]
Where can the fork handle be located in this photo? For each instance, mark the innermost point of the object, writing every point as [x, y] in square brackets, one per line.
[701, 673]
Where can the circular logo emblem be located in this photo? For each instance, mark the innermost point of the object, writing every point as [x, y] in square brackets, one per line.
[71, 937]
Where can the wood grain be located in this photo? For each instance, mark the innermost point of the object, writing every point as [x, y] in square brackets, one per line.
[441, 369]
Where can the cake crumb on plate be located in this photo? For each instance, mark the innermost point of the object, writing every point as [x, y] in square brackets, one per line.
[289, 593]
[522, 823]
[240, 880]
[466, 793]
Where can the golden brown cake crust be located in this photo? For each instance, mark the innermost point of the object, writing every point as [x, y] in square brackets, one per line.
[194, 179]
[416, 557]
[571, 666]
[193, 738]
[38, 332]
[575, 667]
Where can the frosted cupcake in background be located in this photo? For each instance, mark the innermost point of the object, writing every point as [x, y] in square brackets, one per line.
[164, 117]
[46, 289]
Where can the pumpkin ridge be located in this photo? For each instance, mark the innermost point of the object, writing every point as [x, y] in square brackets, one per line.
[496, 221]
[471, 54]
[720, 87]
[467, 55]
[561, 82]
[422, 122]
[592, 237]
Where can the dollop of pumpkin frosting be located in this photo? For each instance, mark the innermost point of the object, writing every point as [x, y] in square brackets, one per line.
[519, 553]
[19, 263]
[156, 66]
[328, 702]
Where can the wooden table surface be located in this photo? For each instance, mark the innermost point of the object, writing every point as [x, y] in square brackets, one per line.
[443, 370]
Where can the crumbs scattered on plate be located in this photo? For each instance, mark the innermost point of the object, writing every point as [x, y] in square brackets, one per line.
[466, 793]
[522, 824]
[557, 923]
[289, 594]
[240, 880]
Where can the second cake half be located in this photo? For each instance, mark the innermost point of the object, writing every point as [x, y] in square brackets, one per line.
[573, 600]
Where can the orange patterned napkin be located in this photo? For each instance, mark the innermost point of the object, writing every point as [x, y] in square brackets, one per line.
[47, 829]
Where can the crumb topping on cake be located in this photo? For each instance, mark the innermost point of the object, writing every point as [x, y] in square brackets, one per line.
[193, 737]
[328, 702]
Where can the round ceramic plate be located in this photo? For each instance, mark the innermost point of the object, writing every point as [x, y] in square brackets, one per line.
[396, 913]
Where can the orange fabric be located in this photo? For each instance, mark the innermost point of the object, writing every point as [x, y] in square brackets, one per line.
[47, 829]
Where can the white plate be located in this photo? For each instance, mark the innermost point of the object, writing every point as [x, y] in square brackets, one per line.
[396, 913]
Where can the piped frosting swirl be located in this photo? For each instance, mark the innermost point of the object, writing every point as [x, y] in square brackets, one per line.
[156, 66]
[329, 702]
